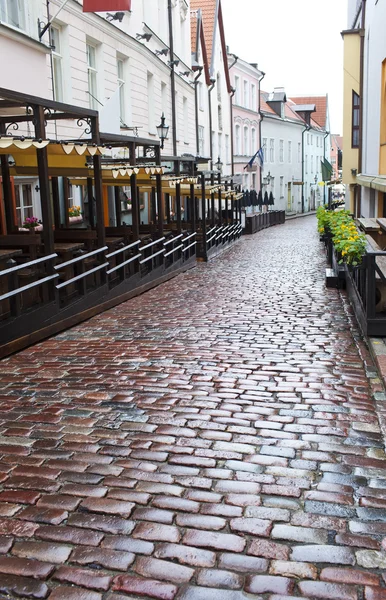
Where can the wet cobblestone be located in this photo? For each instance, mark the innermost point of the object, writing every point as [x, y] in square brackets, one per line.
[215, 438]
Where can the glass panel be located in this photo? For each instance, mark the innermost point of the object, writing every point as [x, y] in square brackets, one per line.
[91, 62]
[55, 39]
[58, 79]
[355, 117]
[28, 212]
[19, 220]
[17, 196]
[120, 69]
[27, 196]
[92, 88]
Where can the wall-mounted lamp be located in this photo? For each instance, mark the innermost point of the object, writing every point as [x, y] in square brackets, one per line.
[219, 165]
[172, 63]
[118, 16]
[316, 179]
[144, 36]
[184, 73]
[162, 130]
[163, 52]
[267, 179]
[354, 172]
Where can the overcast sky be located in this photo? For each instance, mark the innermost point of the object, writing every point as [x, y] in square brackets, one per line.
[297, 43]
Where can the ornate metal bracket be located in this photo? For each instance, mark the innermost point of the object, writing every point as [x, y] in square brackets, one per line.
[13, 126]
[87, 121]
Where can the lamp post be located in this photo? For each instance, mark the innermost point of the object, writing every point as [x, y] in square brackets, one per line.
[162, 130]
[219, 165]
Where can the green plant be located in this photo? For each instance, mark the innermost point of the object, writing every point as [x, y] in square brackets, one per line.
[346, 239]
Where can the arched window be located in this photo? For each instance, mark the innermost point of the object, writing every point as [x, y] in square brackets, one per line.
[246, 140]
[238, 139]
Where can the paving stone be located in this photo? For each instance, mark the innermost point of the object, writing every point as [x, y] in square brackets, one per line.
[23, 586]
[323, 554]
[186, 555]
[320, 589]
[167, 571]
[150, 587]
[261, 584]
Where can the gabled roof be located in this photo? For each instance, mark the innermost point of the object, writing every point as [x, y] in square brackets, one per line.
[289, 110]
[321, 102]
[338, 140]
[210, 20]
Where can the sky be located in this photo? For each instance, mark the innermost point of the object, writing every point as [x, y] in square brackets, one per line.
[297, 43]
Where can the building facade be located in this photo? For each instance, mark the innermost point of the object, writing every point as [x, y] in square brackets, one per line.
[247, 141]
[364, 166]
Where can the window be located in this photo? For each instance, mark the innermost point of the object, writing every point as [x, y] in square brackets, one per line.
[238, 139]
[355, 120]
[219, 146]
[281, 151]
[281, 187]
[306, 163]
[186, 119]
[92, 76]
[164, 97]
[121, 83]
[150, 102]
[237, 88]
[265, 149]
[253, 97]
[57, 63]
[246, 94]
[317, 142]
[227, 149]
[290, 152]
[253, 181]
[12, 12]
[246, 148]
[24, 207]
[219, 117]
[218, 84]
[253, 141]
[308, 139]
[299, 152]
[312, 164]
[201, 95]
[312, 139]
[271, 150]
[201, 140]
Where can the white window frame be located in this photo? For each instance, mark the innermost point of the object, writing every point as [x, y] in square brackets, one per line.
[238, 139]
[150, 103]
[281, 151]
[13, 13]
[289, 151]
[237, 88]
[185, 111]
[92, 75]
[246, 140]
[121, 80]
[246, 93]
[281, 186]
[201, 95]
[201, 140]
[271, 150]
[57, 62]
[253, 97]
[299, 152]
[253, 141]
[265, 149]
[21, 211]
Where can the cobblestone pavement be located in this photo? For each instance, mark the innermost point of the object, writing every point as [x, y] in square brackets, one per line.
[213, 439]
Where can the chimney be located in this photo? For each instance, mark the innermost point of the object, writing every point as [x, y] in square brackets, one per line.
[276, 100]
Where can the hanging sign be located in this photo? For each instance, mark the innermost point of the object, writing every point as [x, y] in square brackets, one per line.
[106, 5]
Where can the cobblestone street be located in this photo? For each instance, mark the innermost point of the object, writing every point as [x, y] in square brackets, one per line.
[213, 439]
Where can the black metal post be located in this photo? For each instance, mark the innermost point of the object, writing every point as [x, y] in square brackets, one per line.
[192, 207]
[159, 205]
[90, 196]
[44, 182]
[56, 201]
[178, 207]
[134, 207]
[97, 163]
[7, 189]
[118, 210]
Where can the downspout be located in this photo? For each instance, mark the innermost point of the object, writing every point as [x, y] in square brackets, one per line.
[361, 72]
[324, 156]
[303, 132]
[260, 138]
[213, 82]
[236, 58]
[195, 83]
[172, 81]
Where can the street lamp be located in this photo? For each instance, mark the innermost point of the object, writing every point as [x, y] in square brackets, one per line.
[267, 178]
[219, 165]
[162, 130]
[316, 179]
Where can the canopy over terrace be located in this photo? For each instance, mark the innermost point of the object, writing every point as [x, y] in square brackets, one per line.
[35, 154]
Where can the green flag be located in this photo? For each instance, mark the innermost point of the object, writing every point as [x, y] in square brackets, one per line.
[327, 169]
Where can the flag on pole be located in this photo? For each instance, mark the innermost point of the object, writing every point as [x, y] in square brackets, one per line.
[259, 155]
[106, 5]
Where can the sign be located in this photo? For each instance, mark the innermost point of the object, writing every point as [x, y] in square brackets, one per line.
[321, 183]
[106, 5]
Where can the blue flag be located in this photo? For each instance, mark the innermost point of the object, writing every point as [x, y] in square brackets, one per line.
[259, 155]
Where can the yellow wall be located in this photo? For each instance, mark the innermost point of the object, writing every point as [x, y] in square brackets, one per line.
[351, 81]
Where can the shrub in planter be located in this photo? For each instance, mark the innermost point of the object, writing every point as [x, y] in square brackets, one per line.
[349, 244]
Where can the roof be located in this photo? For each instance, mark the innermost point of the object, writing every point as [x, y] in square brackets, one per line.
[320, 115]
[209, 18]
[338, 140]
[289, 110]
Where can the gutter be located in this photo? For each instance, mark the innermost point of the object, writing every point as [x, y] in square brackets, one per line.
[260, 122]
[236, 58]
[213, 82]
[195, 83]
[173, 85]
[361, 72]
[307, 128]
[324, 156]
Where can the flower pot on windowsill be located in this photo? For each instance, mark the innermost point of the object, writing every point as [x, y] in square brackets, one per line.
[77, 219]
[31, 229]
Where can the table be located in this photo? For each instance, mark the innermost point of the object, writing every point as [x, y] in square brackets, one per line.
[6, 253]
[66, 249]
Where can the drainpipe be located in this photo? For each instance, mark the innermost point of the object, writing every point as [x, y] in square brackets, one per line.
[324, 156]
[361, 71]
[303, 132]
[195, 83]
[172, 83]
[260, 122]
[236, 58]
[213, 82]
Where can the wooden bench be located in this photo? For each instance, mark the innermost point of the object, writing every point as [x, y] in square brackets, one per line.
[368, 225]
[29, 243]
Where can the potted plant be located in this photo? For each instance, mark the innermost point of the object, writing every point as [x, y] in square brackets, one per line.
[75, 214]
[31, 224]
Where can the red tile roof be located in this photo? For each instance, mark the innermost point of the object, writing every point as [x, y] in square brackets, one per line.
[320, 116]
[208, 9]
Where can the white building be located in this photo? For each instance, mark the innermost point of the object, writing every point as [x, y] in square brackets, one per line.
[119, 64]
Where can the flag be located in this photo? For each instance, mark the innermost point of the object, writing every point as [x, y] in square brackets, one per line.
[260, 155]
[327, 169]
[106, 5]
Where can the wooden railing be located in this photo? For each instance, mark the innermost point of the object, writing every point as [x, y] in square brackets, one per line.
[190, 250]
[78, 279]
[123, 263]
